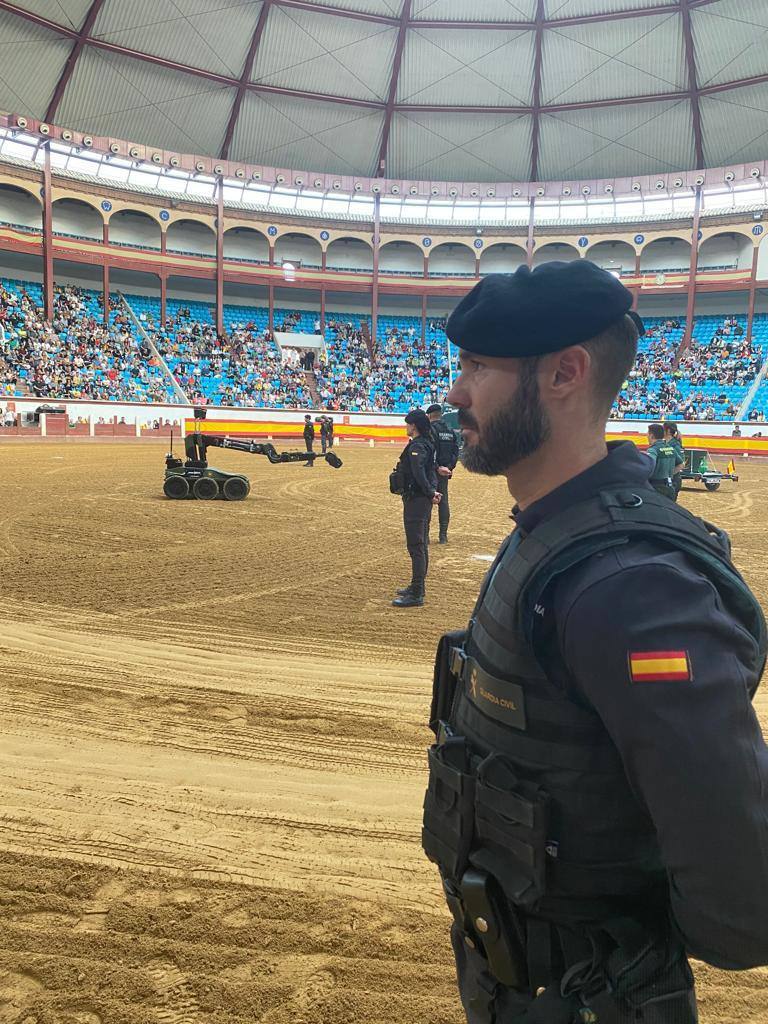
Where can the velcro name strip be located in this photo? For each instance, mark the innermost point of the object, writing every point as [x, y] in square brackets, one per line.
[497, 698]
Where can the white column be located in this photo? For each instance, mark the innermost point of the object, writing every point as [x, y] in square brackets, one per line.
[91, 426]
[43, 424]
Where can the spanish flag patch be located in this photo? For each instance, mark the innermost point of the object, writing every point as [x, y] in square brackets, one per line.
[659, 666]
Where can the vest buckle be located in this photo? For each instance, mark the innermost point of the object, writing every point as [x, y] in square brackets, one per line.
[456, 664]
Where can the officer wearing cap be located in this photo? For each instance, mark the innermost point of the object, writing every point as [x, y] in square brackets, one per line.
[596, 800]
[415, 480]
[447, 455]
[666, 464]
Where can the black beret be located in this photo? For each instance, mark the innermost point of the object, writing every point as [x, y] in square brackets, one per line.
[533, 312]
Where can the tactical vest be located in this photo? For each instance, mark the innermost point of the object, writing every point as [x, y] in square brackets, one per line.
[528, 813]
[444, 441]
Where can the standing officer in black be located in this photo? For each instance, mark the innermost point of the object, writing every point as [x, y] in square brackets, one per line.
[447, 454]
[596, 802]
[309, 437]
[417, 483]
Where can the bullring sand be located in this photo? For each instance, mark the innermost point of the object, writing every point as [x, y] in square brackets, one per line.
[212, 758]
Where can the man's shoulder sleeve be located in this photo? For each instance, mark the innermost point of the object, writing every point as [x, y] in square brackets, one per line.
[648, 640]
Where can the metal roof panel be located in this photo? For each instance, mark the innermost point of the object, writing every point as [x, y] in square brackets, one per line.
[642, 138]
[321, 53]
[215, 40]
[628, 57]
[735, 125]
[451, 146]
[283, 131]
[444, 66]
[477, 10]
[32, 61]
[730, 40]
[113, 95]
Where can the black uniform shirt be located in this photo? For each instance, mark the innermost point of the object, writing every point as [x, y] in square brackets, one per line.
[309, 431]
[446, 444]
[418, 460]
[692, 748]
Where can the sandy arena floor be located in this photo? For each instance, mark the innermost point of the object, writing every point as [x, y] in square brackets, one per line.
[213, 733]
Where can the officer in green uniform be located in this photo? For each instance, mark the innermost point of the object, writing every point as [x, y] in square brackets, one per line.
[666, 463]
[672, 434]
[596, 799]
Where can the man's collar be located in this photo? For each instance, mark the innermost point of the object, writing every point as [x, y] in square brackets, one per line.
[624, 464]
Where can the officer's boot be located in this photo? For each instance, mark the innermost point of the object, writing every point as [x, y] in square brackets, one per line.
[413, 596]
[404, 591]
[443, 538]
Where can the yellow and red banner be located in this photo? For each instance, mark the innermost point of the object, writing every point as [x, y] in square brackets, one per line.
[659, 666]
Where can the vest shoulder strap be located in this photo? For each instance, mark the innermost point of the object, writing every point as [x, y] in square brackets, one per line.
[612, 518]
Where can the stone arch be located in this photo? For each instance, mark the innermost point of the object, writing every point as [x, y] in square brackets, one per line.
[191, 236]
[549, 251]
[501, 258]
[134, 228]
[349, 254]
[726, 250]
[401, 257]
[670, 254]
[614, 255]
[246, 243]
[298, 248]
[452, 259]
[77, 217]
[20, 207]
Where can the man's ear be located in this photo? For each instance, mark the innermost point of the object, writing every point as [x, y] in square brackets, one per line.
[567, 371]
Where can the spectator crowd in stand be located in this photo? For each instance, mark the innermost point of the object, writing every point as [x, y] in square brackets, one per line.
[706, 381]
[77, 356]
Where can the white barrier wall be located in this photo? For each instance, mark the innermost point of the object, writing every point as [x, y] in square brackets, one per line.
[132, 412]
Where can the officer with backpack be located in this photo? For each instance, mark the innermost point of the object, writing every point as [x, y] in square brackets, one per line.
[415, 480]
[666, 462]
[447, 455]
[596, 798]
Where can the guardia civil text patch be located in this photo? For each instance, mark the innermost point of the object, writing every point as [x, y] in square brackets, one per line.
[659, 666]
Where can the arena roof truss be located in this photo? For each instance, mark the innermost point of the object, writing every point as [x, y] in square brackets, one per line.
[487, 91]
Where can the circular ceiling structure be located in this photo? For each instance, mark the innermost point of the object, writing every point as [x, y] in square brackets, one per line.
[451, 90]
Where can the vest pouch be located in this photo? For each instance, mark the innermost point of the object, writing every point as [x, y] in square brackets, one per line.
[449, 807]
[511, 823]
[397, 481]
[445, 678]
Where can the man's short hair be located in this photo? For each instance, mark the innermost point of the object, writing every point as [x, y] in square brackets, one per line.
[671, 427]
[613, 353]
[656, 430]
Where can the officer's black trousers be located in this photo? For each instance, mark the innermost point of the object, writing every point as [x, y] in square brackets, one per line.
[417, 512]
[443, 510]
[310, 445]
[677, 483]
[323, 445]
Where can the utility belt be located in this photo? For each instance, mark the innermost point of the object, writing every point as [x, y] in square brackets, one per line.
[488, 832]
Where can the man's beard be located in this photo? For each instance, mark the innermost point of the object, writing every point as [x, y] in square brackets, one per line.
[511, 434]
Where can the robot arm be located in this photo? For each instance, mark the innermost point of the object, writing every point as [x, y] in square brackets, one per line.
[197, 443]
